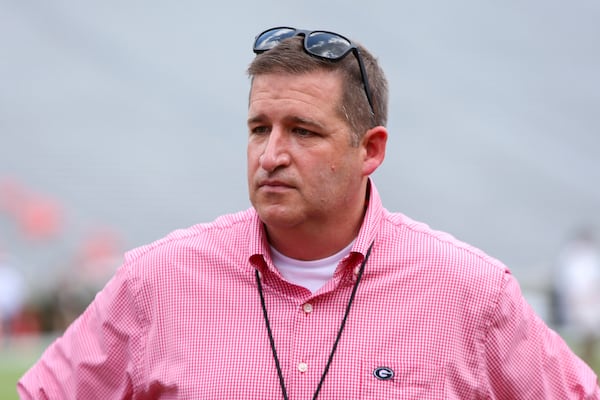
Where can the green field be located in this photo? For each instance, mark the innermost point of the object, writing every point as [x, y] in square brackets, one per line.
[16, 356]
[8, 377]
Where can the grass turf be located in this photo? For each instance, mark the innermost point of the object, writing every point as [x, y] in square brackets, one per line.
[16, 356]
[8, 380]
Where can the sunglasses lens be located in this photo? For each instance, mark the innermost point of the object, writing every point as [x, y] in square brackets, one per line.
[271, 38]
[327, 45]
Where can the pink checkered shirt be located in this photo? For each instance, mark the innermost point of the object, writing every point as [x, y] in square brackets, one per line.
[182, 319]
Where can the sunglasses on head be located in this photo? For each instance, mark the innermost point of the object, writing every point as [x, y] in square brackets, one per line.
[321, 44]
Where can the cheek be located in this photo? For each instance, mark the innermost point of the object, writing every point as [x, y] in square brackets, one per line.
[252, 156]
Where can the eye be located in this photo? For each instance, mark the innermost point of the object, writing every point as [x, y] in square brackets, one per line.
[303, 132]
[259, 130]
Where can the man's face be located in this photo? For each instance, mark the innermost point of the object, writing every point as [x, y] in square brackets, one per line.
[303, 171]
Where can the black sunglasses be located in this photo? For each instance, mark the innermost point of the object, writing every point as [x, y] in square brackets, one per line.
[322, 44]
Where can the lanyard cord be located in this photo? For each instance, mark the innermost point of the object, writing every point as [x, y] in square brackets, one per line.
[337, 339]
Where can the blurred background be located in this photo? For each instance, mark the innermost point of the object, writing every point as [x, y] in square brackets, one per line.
[121, 121]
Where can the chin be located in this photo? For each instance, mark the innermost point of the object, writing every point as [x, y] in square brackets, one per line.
[278, 216]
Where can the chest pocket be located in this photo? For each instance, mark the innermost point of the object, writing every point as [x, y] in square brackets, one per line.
[381, 379]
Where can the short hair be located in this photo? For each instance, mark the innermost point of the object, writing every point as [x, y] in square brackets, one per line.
[289, 57]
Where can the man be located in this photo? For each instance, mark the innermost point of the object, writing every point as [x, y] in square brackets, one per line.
[317, 291]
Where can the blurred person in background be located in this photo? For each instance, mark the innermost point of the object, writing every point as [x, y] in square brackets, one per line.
[577, 287]
[316, 291]
[12, 295]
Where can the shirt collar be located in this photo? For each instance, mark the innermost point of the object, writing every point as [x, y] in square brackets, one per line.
[371, 222]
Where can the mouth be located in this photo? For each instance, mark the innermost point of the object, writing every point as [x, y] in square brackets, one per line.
[273, 184]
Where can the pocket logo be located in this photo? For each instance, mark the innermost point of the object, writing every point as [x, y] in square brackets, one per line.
[383, 373]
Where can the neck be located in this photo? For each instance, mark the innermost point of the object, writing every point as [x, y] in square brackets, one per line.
[310, 246]
[316, 241]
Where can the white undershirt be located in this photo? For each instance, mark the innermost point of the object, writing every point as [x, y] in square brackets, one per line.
[309, 274]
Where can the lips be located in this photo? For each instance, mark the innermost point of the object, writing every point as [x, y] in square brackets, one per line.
[274, 184]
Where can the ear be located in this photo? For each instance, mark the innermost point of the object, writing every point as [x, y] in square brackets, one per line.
[373, 145]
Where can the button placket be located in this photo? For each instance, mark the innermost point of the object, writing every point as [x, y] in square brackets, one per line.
[302, 346]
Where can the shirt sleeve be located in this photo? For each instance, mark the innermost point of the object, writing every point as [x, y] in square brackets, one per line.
[95, 357]
[528, 360]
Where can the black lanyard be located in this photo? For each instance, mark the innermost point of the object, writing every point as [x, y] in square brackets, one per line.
[337, 339]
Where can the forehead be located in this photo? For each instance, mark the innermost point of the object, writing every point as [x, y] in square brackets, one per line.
[320, 90]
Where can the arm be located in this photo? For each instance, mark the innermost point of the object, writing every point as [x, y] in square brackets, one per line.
[95, 357]
[526, 359]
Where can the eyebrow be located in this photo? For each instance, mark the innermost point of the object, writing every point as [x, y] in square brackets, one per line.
[305, 121]
[256, 118]
[292, 119]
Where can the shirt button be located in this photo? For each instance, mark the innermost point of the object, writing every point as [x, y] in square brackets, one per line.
[302, 367]
[307, 308]
[356, 270]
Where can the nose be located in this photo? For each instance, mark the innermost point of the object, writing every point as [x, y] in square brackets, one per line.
[276, 152]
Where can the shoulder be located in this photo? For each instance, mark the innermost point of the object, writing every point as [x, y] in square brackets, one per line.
[416, 245]
[222, 236]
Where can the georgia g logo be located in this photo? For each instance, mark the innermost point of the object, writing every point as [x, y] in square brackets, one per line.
[383, 373]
